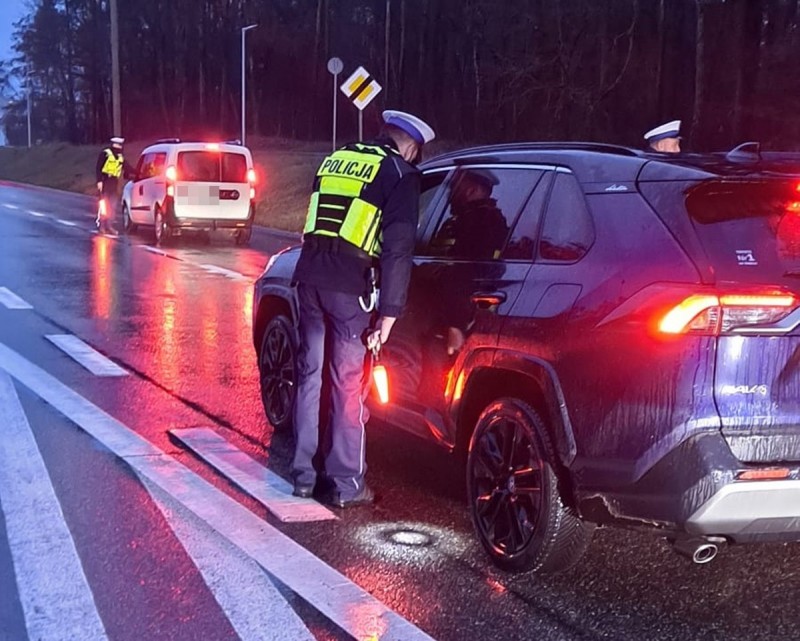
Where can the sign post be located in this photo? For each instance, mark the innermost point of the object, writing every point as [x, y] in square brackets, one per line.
[361, 88]
[335, 66]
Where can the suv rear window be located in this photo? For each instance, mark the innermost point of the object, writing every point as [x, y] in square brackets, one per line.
[750, 229]
[210, 166]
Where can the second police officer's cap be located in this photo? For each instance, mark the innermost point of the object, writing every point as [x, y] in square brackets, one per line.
[670, 129]
[117, 140]
[415, 127]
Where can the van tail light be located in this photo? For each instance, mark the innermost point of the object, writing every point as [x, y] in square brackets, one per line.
[252, 193]
[172, 176]
[713, 314]
[251, 176]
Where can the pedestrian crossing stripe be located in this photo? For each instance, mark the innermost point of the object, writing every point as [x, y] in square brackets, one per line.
[361, 88]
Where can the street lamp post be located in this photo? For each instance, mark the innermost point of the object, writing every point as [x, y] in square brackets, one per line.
[28, 92]
[244, 120]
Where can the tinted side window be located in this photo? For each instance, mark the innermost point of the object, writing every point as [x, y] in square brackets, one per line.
[158, 163]
[140, 166]
[482, 206]
[522, 244]
[430, 190]
[568, 232]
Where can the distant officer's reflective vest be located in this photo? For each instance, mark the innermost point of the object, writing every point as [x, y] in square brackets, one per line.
[340, 207]
[113, 165]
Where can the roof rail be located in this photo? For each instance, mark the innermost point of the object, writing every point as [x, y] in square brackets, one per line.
[746, 152]
[166, 140]
[598, 147]
[235, 141]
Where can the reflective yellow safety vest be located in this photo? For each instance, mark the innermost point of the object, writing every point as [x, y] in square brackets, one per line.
[113, 164]
[340, 206]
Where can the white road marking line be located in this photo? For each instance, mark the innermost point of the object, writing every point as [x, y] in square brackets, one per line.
[274, 492]
[38, 214]
[68, 223]
[56, 599]
[91, 359]
[228, 273]
[153, 250]
[10, 206]
[10, 300]
[253, 605]
[343, 602]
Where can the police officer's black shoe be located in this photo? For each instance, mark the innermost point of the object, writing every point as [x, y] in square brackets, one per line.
[303, 491]
[365, 497]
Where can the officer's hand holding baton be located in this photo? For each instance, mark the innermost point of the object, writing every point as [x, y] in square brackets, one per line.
[380, 334]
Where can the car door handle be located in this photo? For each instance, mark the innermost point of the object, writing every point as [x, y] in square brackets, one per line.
[488, 299]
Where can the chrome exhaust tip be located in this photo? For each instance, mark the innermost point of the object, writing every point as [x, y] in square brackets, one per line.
[699, 550]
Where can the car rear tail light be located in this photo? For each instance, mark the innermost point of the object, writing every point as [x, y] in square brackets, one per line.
[172, 173]
[773, 473]
[251, 176]
[712, 314]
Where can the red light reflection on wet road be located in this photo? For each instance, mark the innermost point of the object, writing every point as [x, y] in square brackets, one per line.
[101, 277]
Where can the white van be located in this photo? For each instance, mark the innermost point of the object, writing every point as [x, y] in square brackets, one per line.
[201, 186]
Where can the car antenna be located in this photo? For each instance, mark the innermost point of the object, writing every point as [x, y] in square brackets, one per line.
[746, 152]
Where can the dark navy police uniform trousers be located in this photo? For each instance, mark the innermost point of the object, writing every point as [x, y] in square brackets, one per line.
[332, 327]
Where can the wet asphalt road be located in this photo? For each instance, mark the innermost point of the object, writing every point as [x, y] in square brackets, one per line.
[179, 323]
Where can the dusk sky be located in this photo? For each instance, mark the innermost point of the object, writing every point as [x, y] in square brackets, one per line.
[10, 12]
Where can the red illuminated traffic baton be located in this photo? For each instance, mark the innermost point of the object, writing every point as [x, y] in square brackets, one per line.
[380, 377]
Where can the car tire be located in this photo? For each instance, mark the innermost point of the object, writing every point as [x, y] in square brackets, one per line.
[127, 224]
[160, 227]
[277, 365]
[514, 500]
[243, 236]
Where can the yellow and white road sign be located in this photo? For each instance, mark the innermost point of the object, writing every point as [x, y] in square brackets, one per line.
[361, 88]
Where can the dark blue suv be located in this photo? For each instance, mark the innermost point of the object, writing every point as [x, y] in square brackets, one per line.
[610, 336]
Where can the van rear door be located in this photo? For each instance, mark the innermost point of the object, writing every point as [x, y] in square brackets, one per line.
[212, 184]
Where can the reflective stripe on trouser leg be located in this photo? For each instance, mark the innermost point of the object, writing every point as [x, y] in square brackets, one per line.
[345, 463]
[310, 359]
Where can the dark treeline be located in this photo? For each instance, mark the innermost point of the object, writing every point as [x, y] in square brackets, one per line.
[479, 70]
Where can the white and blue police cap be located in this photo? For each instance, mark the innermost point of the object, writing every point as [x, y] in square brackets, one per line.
[670, 129]
[117, 140]
[415, 127]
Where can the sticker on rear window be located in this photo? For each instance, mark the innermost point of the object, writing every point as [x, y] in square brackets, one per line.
[746, 258]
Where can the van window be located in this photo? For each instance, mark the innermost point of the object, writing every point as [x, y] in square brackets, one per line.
[483, 204]
[209, 166]
[568, 231]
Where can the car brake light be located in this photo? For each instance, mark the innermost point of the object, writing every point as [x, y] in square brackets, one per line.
[711, 314]
[212, 146]
[172, 173]
[252, 193]
[251, 176]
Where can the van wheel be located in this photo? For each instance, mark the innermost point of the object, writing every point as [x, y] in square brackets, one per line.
[243, 235]
[514, 499]
[162, 231]
[127, 224]
[277, 360]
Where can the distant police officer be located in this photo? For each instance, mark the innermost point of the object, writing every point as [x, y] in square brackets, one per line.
[362, 221]
[109, 170]
[665, 138]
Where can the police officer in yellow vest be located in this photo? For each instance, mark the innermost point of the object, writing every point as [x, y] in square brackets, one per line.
[110, 169]
[361, 226]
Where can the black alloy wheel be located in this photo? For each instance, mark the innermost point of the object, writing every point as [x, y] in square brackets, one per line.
[277, 364]
[514, 499]
[243, 235]
[127, 224]
[162, 230]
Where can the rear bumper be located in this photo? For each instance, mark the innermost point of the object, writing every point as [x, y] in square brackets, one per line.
[178, 223]
[693, 489]
[749, 511]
